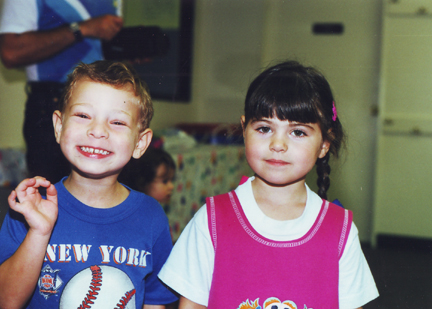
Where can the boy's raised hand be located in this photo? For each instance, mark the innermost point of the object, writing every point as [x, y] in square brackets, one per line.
[39, 213]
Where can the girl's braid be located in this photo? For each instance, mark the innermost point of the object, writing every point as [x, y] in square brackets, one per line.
[323, 171]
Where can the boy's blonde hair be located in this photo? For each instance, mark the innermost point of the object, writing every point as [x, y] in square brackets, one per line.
[116, 74]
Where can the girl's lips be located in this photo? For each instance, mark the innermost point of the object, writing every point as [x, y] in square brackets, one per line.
[277, 162]
[93, 152]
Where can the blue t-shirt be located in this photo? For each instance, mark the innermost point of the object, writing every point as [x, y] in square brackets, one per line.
[33, 15]
[97, 255]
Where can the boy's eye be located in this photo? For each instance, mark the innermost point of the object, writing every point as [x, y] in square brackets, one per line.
[119, 123]
[80, 115]
[298, 133]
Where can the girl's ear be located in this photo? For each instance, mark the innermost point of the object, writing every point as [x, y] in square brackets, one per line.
[325, 147]
[58, 123]
[144, 140]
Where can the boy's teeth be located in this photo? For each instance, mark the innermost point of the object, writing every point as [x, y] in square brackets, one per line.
[92, 150]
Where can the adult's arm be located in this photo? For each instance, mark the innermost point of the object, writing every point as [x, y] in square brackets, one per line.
[21, 49]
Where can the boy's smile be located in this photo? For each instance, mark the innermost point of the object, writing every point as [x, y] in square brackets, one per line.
[94, 153]
[98, 131]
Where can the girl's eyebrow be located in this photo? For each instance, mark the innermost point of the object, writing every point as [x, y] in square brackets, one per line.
[261, 120]
[301, 124]
[291, 123]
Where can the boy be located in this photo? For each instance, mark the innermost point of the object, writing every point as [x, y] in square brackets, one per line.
[92, 242]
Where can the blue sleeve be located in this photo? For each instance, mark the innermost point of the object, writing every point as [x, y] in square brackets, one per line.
[156, 292]
[12, 233]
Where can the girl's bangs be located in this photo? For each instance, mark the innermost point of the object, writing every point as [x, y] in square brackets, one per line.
[288, 103]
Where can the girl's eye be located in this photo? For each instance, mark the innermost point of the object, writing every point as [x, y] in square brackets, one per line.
[298, 133]
[167, 180]
[263, 129]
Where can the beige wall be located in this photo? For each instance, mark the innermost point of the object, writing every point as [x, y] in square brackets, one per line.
[404, 148]
[12, 98]
[233, 41]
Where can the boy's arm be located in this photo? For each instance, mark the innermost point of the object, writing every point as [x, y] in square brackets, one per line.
[19, 274]
[188, 304]
[154, 307]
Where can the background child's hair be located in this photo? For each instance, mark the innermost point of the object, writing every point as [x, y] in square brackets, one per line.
[291, 91]
[116, 74]
[138, 173]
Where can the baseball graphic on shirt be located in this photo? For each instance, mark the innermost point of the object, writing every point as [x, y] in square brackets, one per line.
[99, 287]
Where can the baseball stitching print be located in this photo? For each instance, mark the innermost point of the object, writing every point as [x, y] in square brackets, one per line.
[99, 287]
[94, 287]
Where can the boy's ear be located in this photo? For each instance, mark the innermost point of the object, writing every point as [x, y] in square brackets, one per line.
[144, 140]
[243, 124]
[57, 122]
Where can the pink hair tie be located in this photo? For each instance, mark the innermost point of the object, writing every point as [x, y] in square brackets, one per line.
[334, 112]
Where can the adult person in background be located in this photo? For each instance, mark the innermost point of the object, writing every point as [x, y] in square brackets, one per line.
[49, 38]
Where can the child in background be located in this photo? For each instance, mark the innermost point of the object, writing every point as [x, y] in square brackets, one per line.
[272, 242]
[91, 241]
[152, 174]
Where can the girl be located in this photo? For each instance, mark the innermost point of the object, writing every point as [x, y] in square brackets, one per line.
[272, 242]
[152, 174]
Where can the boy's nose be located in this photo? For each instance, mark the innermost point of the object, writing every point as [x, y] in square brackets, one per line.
[98, 130]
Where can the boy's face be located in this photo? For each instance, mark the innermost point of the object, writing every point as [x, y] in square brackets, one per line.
[99, 131]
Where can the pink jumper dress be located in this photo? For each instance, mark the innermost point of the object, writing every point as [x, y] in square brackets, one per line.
[251, 271]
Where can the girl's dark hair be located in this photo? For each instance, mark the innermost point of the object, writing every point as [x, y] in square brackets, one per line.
[138, 173]
[291, 91]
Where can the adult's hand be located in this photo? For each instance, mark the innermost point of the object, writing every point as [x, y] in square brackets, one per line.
[104, 27]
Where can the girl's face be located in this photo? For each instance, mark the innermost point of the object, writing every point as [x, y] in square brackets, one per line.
[162, 185]
[282, 152]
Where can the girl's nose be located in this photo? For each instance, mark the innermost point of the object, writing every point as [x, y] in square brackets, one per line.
[170, 185]
[278, 144]
[98, 130]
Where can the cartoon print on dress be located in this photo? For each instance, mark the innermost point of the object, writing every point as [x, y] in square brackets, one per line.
[270, 303]
[248, 305]
[99, 287]
[275, 303]
[49, 282]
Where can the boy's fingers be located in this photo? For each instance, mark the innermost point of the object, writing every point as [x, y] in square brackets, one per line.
[14, 203]
[23, 185]
[12, 199]
[41, 182]
[51, 193]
